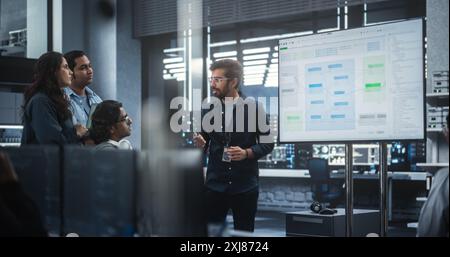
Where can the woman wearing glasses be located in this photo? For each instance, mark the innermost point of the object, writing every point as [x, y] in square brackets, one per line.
[110, 125]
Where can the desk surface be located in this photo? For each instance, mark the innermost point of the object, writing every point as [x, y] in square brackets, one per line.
[340, 212]
[291, 173]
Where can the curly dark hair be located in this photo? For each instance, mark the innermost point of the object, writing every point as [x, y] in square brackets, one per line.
[233, 69]
[105, 116]
[45, 81]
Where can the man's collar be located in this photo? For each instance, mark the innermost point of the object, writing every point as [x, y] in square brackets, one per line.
[114, 143]
[69, 91]
[89, 91]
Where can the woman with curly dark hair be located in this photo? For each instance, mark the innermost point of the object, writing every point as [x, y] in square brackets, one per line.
[46, 116]
[110, 124]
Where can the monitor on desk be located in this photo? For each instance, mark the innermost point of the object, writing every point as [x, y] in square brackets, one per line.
[401, 156]
[171, 194]
[17, 73]
[38, 170]
[99, 192]
[405, 156]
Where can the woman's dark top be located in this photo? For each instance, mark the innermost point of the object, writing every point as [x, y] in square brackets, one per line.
[42, 125]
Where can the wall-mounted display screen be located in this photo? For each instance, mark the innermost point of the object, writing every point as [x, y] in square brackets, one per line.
[364, 84]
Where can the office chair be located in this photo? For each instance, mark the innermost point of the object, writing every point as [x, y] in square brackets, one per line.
[323, 190]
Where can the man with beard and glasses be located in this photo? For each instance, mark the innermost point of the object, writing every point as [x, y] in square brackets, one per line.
[232, 180]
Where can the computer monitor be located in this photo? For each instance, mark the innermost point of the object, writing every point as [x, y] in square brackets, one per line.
[301, 155]
[99, 192]
[362, 84]
[38, 170]
[401, 156]
[404, 156]
[171, 194]
[17, 72]
[417, 154]
[334, 153]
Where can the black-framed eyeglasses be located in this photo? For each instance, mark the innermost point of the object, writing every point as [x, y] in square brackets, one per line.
[217, 79]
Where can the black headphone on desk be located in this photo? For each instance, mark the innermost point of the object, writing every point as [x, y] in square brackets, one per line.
[317, 207]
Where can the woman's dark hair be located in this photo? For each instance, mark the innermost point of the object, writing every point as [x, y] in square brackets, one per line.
[45, 81]
[105, 116]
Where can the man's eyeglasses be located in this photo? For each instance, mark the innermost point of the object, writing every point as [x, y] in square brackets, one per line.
[217, 80]
[127, 119]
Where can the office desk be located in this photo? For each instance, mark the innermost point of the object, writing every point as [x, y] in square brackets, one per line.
[373, 179]
[291, 173]
[308, 223]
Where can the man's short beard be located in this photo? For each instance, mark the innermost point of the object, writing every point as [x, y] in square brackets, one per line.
[224, 94]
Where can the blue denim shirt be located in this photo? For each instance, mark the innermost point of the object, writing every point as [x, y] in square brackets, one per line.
[237, 176]
[80, 114]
